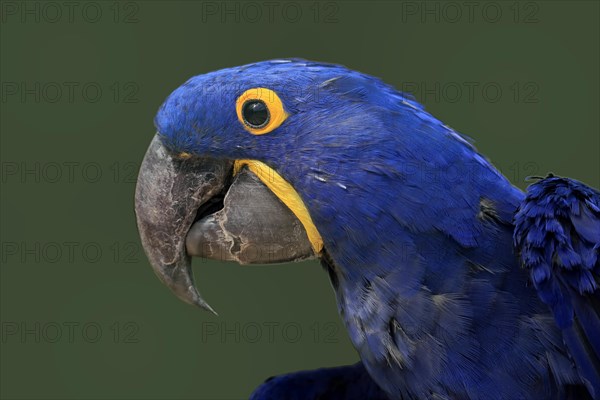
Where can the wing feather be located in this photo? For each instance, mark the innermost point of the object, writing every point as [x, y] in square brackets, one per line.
[557, 234]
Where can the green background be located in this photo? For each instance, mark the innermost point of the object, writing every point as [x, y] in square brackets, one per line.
[545, 59]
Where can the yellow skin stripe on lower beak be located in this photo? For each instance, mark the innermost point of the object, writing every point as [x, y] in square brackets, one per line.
[287, 194]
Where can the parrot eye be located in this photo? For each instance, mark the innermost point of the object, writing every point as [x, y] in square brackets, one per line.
[255, 113]
[260, 110]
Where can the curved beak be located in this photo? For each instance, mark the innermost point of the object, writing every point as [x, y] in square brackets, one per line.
[196, 207]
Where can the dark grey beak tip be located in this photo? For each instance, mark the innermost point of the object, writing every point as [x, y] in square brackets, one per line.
[204, 305]
[193, 297]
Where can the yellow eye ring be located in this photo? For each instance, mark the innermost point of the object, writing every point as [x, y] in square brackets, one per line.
[260, 110]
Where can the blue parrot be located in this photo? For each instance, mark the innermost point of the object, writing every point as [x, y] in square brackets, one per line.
[451, 282]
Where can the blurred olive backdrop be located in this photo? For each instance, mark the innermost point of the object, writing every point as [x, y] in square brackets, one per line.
[83, 315]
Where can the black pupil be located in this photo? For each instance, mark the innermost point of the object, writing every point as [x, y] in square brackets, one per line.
[255, 113]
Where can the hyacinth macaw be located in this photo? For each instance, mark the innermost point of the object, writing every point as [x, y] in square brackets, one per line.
[451, 282]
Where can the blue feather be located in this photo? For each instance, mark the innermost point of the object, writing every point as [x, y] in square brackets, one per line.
[571, 272]
[342, 383]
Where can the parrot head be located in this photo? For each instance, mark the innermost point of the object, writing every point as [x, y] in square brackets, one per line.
[287, 160]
